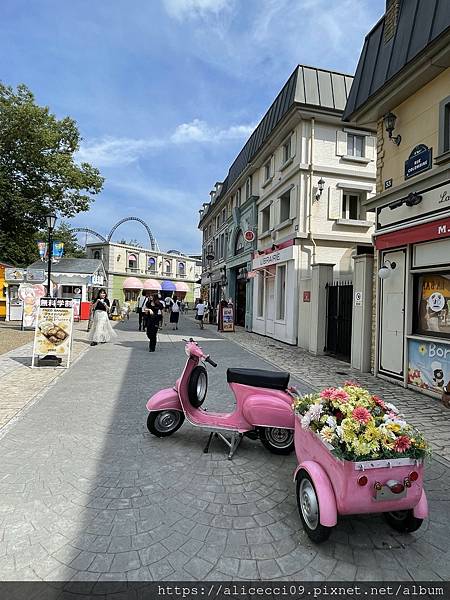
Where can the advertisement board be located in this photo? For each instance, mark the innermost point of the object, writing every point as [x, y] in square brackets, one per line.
[53, 333]
[429, 365]
[14, 274]
[227, 319]
[30, 294]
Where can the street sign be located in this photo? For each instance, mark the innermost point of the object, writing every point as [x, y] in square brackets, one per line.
[358, 298]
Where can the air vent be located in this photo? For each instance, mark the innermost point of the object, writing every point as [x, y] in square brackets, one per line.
[391, 19]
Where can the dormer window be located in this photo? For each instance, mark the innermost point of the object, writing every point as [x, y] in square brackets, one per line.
[287, 149]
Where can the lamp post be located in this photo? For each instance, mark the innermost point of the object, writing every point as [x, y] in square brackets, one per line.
[51, 220]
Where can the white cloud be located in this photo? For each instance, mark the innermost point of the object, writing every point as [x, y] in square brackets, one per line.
[110, 151]
[186, 9]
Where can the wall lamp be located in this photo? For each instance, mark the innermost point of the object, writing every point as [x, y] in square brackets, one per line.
[320, 186]
[274, 247]
[389, 123]
[386, 269]
[412, 199]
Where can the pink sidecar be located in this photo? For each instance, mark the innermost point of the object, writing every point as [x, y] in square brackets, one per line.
[328, 487]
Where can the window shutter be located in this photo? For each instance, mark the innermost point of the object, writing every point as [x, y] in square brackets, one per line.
[370, 147]
[341, 143]
[293, 205]
[334, 203]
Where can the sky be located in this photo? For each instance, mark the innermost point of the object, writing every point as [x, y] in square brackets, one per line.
[166, 92]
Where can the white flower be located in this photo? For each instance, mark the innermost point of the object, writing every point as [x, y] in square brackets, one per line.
[331, 422]
[315, 411]
[392, 408]
[339, 430]
[306, 420]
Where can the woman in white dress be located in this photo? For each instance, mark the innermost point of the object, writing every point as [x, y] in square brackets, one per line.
[101, 331]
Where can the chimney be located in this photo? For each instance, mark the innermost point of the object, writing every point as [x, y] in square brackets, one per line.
[391, 19]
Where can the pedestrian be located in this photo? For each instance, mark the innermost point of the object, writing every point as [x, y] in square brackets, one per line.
[101, 331]
[174, 312]
[142, 299]
[200, 308]
[167, 303]
[153, 311]
[125, 311]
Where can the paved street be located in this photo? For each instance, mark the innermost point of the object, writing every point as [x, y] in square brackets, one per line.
[88, 494]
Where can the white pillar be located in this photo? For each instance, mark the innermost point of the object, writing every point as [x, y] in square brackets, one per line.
[362, 312]
[322, 273]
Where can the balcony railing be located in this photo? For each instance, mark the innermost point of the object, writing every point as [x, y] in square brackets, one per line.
[180, 275]
[133, 270]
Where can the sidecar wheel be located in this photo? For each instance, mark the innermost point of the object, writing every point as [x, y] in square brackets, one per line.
[278, 440]
[198, 386]
[308, 507]
[403, 521]
[163, 423]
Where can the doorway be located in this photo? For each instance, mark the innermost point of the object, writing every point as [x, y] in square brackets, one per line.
[339, 319]
[240, 301]
[270, 305]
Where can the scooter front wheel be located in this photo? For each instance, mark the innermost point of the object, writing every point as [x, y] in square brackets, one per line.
[278, 440]
[163, 423]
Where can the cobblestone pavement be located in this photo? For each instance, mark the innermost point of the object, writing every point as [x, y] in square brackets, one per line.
[86, 493]
[320, 372]
[20, 385]
[11, 336]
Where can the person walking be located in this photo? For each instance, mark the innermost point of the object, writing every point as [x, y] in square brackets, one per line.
[141, 301]
[101, 331]
[200, 308]
[174, 312]
[153, 312]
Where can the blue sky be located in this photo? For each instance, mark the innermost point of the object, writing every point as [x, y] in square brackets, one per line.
[166, 92]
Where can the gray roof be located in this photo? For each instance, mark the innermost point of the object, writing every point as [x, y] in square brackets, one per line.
[71, 265]
[307, 87]
[420, 23]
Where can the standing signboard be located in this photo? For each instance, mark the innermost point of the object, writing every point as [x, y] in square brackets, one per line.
[30, 294]
[53, 333]
[227, 319]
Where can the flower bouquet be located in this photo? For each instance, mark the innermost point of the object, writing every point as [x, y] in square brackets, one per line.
[356, 425]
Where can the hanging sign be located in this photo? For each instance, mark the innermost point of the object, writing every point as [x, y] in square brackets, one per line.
[42, 246]
[57, 249]
[227, 319]
[419, 161]
[53, 333]
[249, 235]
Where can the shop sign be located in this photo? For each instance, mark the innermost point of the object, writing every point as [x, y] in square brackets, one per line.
[249, 235]
[14, 275]
[53, 333]
[412, 235]
[96, 279]
[307, 296]
[279, 256]
[227, 319]
[429, 365]
[432, 201]
[419, 160]
[36, 275]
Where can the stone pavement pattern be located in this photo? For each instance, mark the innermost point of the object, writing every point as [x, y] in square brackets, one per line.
[11, 336]
[20, 385]
[320, 372]
[86, 493]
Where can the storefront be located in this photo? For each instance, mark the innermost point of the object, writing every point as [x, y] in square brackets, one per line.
[275, 295]
[413, 333]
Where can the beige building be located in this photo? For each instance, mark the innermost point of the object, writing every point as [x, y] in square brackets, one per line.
[402, 85]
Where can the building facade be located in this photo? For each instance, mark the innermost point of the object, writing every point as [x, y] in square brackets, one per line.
[402, 86]
[130, 270]
[299, 185]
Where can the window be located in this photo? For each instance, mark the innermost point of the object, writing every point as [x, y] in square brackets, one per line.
[287, 149]
[281, 292]
[248, 187]
[222, 245]
[240, 243]
[238, 197]
[151, 264]
[265, 219]
[355, 145]
[131, 295]
[350, 206]
[432, 304]
[217, 222]
[444, 126]
[181, 269]
[216, 248]
[97, 254]
[210, 231]
[132, 262]
[285, 206]
[224, 215]
[168, 267]
[260, 306]
[268, 169]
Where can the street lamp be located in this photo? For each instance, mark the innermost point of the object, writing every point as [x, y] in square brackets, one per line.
[51, 220]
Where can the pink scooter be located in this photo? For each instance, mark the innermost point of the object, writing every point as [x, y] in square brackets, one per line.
[263, 406]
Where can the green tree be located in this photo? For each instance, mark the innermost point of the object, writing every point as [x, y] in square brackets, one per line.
[38, 172]
[62, 233]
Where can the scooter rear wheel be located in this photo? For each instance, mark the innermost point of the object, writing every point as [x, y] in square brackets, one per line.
[163, 423]
[277, 439]
[403, 521]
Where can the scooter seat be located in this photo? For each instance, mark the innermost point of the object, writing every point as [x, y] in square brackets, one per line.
[274, 380]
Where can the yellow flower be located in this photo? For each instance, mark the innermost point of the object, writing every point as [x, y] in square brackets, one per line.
[422, 349]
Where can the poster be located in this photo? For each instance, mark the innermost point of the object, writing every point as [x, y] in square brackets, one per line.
[36, 275]
[429, 365]
[30, 294]
[53, 333]
[227, 319]
[434, 304]
[14, 275]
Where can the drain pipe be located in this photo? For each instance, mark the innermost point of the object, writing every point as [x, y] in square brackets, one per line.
[310, 199]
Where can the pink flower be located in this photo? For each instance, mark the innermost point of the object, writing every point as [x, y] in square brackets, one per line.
[351, 383]
[361, 414]
[327, 393]
[339, 395]
[380, 402]
[402, 443]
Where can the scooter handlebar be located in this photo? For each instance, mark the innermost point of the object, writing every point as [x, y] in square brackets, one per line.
[210, 361]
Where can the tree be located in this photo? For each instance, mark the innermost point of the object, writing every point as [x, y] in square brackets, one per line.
[62, 233]
[38, 172]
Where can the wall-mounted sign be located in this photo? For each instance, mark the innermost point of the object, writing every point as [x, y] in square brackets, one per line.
[419, 161]
[279, 256]
[307, 296]
[358, 298]
[97, 279]
[388, 184]
[15, 275]
[36, 275]
[429, 365]
[249, 235]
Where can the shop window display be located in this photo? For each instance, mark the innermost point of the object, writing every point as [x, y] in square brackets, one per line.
[432, 301]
